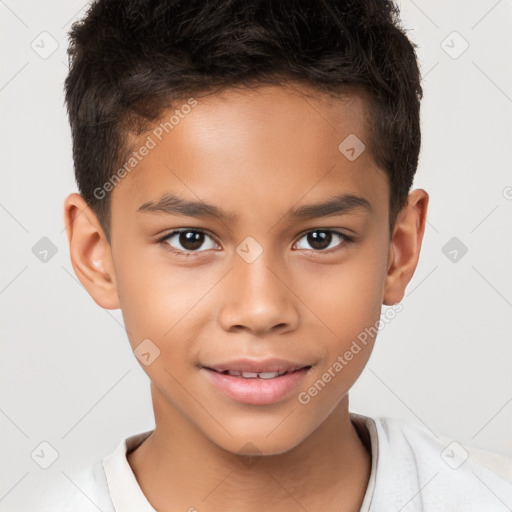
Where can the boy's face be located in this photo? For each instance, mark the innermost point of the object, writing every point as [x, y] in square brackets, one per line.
[262, 284]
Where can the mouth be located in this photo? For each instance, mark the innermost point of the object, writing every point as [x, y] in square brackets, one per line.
[258, 375]
[255, 383]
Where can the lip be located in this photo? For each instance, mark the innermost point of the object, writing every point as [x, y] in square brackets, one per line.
[256, 391]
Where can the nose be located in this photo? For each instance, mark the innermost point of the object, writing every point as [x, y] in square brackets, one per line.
[258, 297]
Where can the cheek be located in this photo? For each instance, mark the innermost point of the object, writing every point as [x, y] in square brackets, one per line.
[350, 305]
[348, 297]
[351, 310]
[157, 299]
[143, 290]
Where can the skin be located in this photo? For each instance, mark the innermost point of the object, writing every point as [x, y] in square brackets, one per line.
[255, 153]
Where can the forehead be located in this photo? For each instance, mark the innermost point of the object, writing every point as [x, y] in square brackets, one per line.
[244, 148]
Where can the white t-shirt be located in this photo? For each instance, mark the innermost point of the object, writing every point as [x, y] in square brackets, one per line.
[412, 471]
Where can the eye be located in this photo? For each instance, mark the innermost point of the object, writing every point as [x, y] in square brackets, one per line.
[322, 239]
[187, 241]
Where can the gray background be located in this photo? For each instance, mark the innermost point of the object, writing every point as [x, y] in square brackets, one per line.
[68, 376]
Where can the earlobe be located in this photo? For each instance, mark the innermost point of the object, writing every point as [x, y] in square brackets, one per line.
[90, 252]
[405, 246]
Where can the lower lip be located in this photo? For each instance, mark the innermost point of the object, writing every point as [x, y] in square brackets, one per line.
[256, 391]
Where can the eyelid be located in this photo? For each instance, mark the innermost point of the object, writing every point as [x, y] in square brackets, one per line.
[181, 230]
[330, 230]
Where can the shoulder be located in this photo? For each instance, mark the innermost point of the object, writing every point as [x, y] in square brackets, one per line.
[107, 485]
[433, 448]
[422, 470]
[85, 490]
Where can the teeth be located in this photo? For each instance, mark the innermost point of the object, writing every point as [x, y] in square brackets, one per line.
[268, 375]
[255, 375]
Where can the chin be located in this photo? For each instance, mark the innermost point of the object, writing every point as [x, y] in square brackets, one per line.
[256, 442]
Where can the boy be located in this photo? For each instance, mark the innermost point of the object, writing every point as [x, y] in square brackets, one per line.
[244, 172]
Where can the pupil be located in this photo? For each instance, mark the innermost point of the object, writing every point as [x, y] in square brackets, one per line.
[319, 239]
[191, 239]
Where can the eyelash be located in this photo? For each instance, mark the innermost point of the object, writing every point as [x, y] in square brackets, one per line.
[346, 241]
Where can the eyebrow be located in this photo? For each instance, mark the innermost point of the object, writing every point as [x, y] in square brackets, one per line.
[174, 205]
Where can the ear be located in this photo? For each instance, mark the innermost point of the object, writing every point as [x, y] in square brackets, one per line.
[405, 246]
[90, 252]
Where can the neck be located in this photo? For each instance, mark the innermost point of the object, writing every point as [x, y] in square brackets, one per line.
[178, 468]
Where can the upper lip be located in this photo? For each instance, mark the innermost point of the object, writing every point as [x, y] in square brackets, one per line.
[255, 366]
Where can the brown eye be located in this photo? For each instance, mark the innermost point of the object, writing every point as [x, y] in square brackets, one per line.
[322, 239]
[188, 240]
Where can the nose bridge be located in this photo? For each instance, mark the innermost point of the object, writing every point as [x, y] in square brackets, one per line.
[258, 298]
[260, 276]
